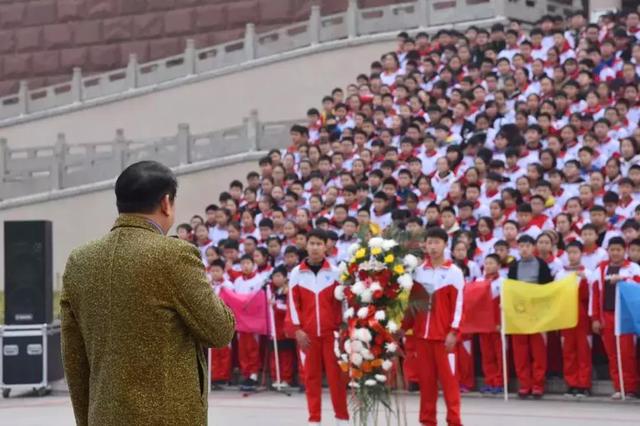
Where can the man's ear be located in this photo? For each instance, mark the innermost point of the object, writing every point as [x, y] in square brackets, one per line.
[166, 204]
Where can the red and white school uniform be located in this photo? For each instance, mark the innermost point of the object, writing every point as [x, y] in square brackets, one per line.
[592, 257]
[286, 347]
[602, 308]
[249, 343]
[314, 309]
[221, 357]
[430, 328]
[491, 343]
[576, 341]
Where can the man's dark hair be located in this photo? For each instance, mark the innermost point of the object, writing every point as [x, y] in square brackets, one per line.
[438, 233]
[319, 234]
[141, 187]
[616, 241]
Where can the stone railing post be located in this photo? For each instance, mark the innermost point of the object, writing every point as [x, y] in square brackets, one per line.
[184, 143]
[250, 42]
[76, 84]
[132, 71]
[352, 19]
[315, 23]
[190, 56]
[4, 155]
[422, 9]
[119, 152]
[58, 165]
[23, 97]
[252, 128]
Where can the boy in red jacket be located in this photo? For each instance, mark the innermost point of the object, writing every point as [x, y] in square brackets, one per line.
[316, 315]
[603, 308]
[435, 326]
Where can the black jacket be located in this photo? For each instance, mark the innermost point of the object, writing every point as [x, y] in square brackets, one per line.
[544, 273]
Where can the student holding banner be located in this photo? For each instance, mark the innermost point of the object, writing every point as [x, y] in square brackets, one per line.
[490, 343]
[603, 309]
[530, 350]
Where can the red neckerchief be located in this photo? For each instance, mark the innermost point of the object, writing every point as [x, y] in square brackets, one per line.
[492, 193]
[207, 242]
[486, 238]
[626, 203]
[263, 268]
[249, 276]
[491, 277]
[428, 265]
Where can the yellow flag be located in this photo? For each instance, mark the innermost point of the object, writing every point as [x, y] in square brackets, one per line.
[534, 308]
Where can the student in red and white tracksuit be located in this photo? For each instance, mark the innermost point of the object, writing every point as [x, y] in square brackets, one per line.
[576, 342]
[220, 357]
[286, 346]
[248, 343]
[316, 315]
[491, 343]
[530, 350]
[602, 312]
[436, 328]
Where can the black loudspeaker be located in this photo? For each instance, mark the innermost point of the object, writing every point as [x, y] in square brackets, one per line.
[28, 272]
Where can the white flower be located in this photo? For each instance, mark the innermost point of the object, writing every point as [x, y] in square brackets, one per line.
[375, 286]
[356, 359]
[336, 350]
[381, 378]
[363, 313]
[353, 248]
[366, 354]
[366, 296]
[410, 262]
[358, 288]
[354, 385]
[370, 382]
[342, 269]
[392, 326]
[376, 242]
[363, 334]
[347, 346]
[338, 292]
[356, 347]
[344, 357]
[391, 347]
[380, 315]
[405, 281]
[348, 314]
[386, 365]
[388, 244]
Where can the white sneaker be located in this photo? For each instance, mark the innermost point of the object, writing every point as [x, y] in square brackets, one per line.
[340, 422]
[616, 396]
[314, 424]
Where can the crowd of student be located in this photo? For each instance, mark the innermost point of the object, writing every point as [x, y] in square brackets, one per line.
[523, 145]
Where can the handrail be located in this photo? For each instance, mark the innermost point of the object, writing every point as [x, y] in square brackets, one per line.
[352, 23]
[29, 171]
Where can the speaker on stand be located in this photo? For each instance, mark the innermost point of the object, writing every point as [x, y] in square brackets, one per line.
[30, 339]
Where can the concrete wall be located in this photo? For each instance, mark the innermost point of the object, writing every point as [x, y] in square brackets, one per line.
[42, 40]
[278, 90]
[82, 218]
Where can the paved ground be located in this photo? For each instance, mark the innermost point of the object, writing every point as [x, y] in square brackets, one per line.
[270, 409]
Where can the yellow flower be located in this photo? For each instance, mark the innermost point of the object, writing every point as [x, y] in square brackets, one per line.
[361, 253]
[344, 277]
[398, 269]
[376, 251]
[389, 258]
